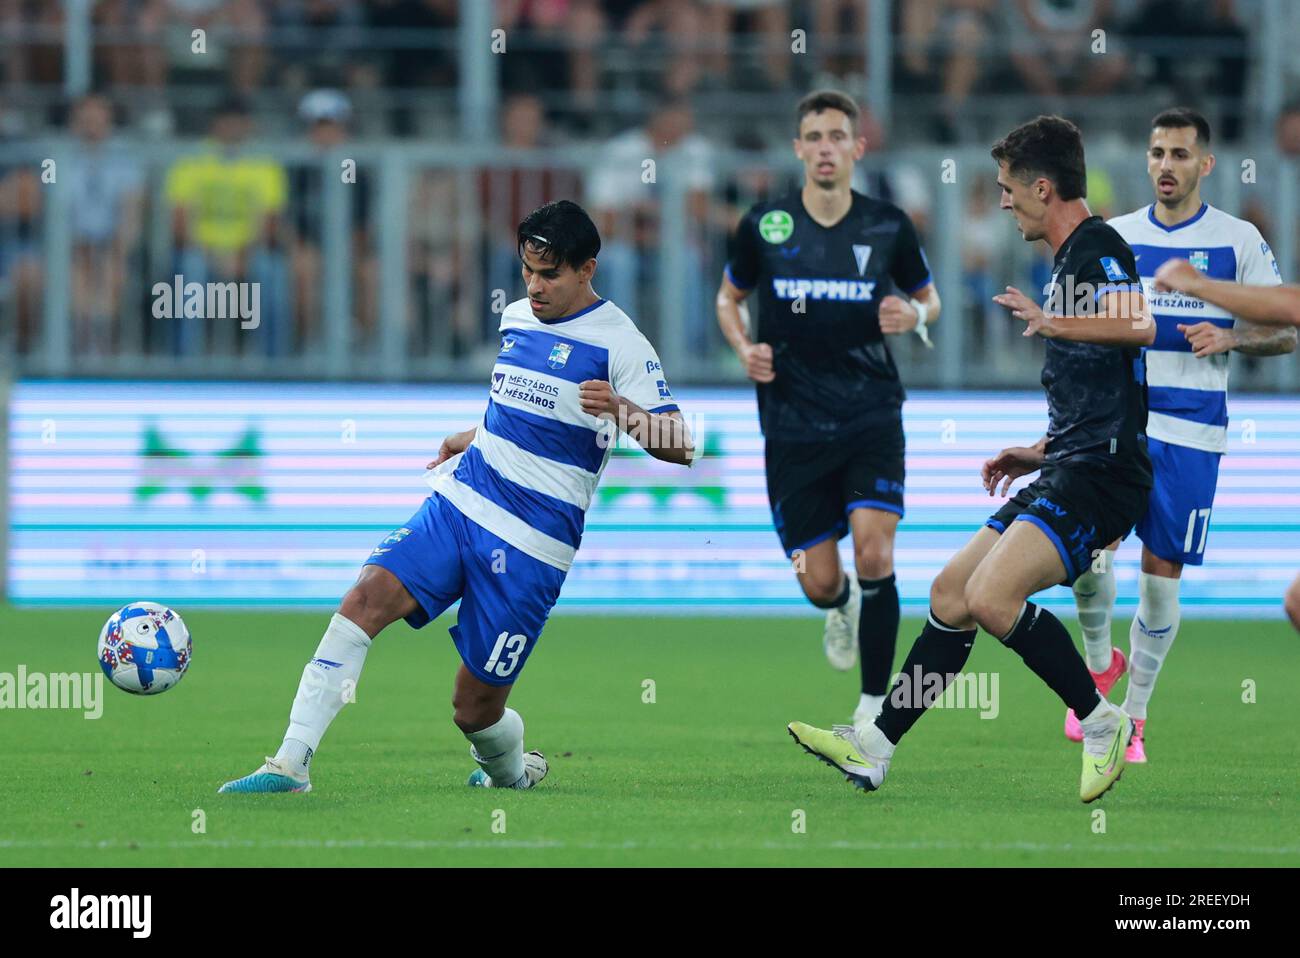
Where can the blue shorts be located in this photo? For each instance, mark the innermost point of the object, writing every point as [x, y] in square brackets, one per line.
[506, 595]
[1177, 524]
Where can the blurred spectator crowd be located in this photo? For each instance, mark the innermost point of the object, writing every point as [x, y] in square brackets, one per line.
[594, 62]
[683, 82]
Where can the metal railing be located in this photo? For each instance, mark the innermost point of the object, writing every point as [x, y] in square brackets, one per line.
[410, 280]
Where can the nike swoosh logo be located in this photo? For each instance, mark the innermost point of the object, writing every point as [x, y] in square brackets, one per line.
[1111, 759]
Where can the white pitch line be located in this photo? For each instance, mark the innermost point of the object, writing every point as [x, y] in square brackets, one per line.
[801, 846]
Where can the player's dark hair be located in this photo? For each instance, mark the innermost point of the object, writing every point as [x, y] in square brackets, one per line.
[1049, 146]
[561, 233]
[820, 100]
[1181, 117]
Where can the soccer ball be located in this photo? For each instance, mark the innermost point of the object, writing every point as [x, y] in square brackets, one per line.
[144, 648]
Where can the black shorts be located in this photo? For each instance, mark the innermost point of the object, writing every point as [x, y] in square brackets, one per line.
[1080, 508]
[813, 486]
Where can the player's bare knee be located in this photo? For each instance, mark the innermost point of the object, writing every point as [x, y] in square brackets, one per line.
[874, 559]
[948, 597]
[994, 611]
[355, 606]
[368, 605]
[822, 590]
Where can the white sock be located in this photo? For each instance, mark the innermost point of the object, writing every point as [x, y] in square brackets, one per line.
[874, 743]
[321, 692]
[1101, 712]
[499, 749]
[1152, 633]
[870, 705]
[1094, 594]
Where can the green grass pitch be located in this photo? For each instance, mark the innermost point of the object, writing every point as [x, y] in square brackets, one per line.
[704, 775]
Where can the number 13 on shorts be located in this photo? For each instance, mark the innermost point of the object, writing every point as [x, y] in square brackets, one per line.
[509, 646]
[1204, 516]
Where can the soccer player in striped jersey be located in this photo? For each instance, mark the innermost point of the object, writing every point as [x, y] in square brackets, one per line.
[1265, 305]
[1187, 383]
[506, 515]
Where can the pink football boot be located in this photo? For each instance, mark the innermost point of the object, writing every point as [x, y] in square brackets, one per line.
[1136, 752]
[1105, 682]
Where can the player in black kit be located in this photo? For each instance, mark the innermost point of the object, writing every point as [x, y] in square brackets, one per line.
[1093, 485]
[834, 272]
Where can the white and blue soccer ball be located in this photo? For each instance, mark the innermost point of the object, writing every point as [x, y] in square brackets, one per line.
[144, 648]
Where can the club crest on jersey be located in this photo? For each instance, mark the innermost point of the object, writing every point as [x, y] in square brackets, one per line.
[776, 226]
[862, 254]
[1200, 259]
[559, 355]
[392, 539]
[1113, 270]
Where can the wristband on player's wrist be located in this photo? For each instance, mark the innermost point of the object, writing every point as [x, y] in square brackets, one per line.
[922, 317]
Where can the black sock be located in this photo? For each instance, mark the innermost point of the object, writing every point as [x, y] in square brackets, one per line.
[836, 602]
[1043, 642]
[940, 650]
[877, 633]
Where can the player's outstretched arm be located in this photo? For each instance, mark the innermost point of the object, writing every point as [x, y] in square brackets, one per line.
[1257, 339]
[663, 435]
[1253, 339]
[1121, 318]
[1265, 305]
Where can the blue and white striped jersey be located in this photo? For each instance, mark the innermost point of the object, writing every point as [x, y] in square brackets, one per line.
[530, 472]
[1188, 397]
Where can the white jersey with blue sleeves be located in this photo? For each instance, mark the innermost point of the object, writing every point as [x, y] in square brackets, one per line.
[532, 468]
[1187, 396]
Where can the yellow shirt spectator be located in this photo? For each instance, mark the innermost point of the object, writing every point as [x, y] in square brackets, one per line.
[226, 197]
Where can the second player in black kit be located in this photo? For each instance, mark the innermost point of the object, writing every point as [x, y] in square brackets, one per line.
[833, 273]
[1096, 473]
[832, 418]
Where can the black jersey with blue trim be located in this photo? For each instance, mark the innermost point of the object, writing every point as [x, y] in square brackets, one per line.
[1096, 395]
[819, 290]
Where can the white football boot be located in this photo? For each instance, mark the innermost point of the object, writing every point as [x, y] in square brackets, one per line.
[535, 769]
[840, 639]
[271, 777]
